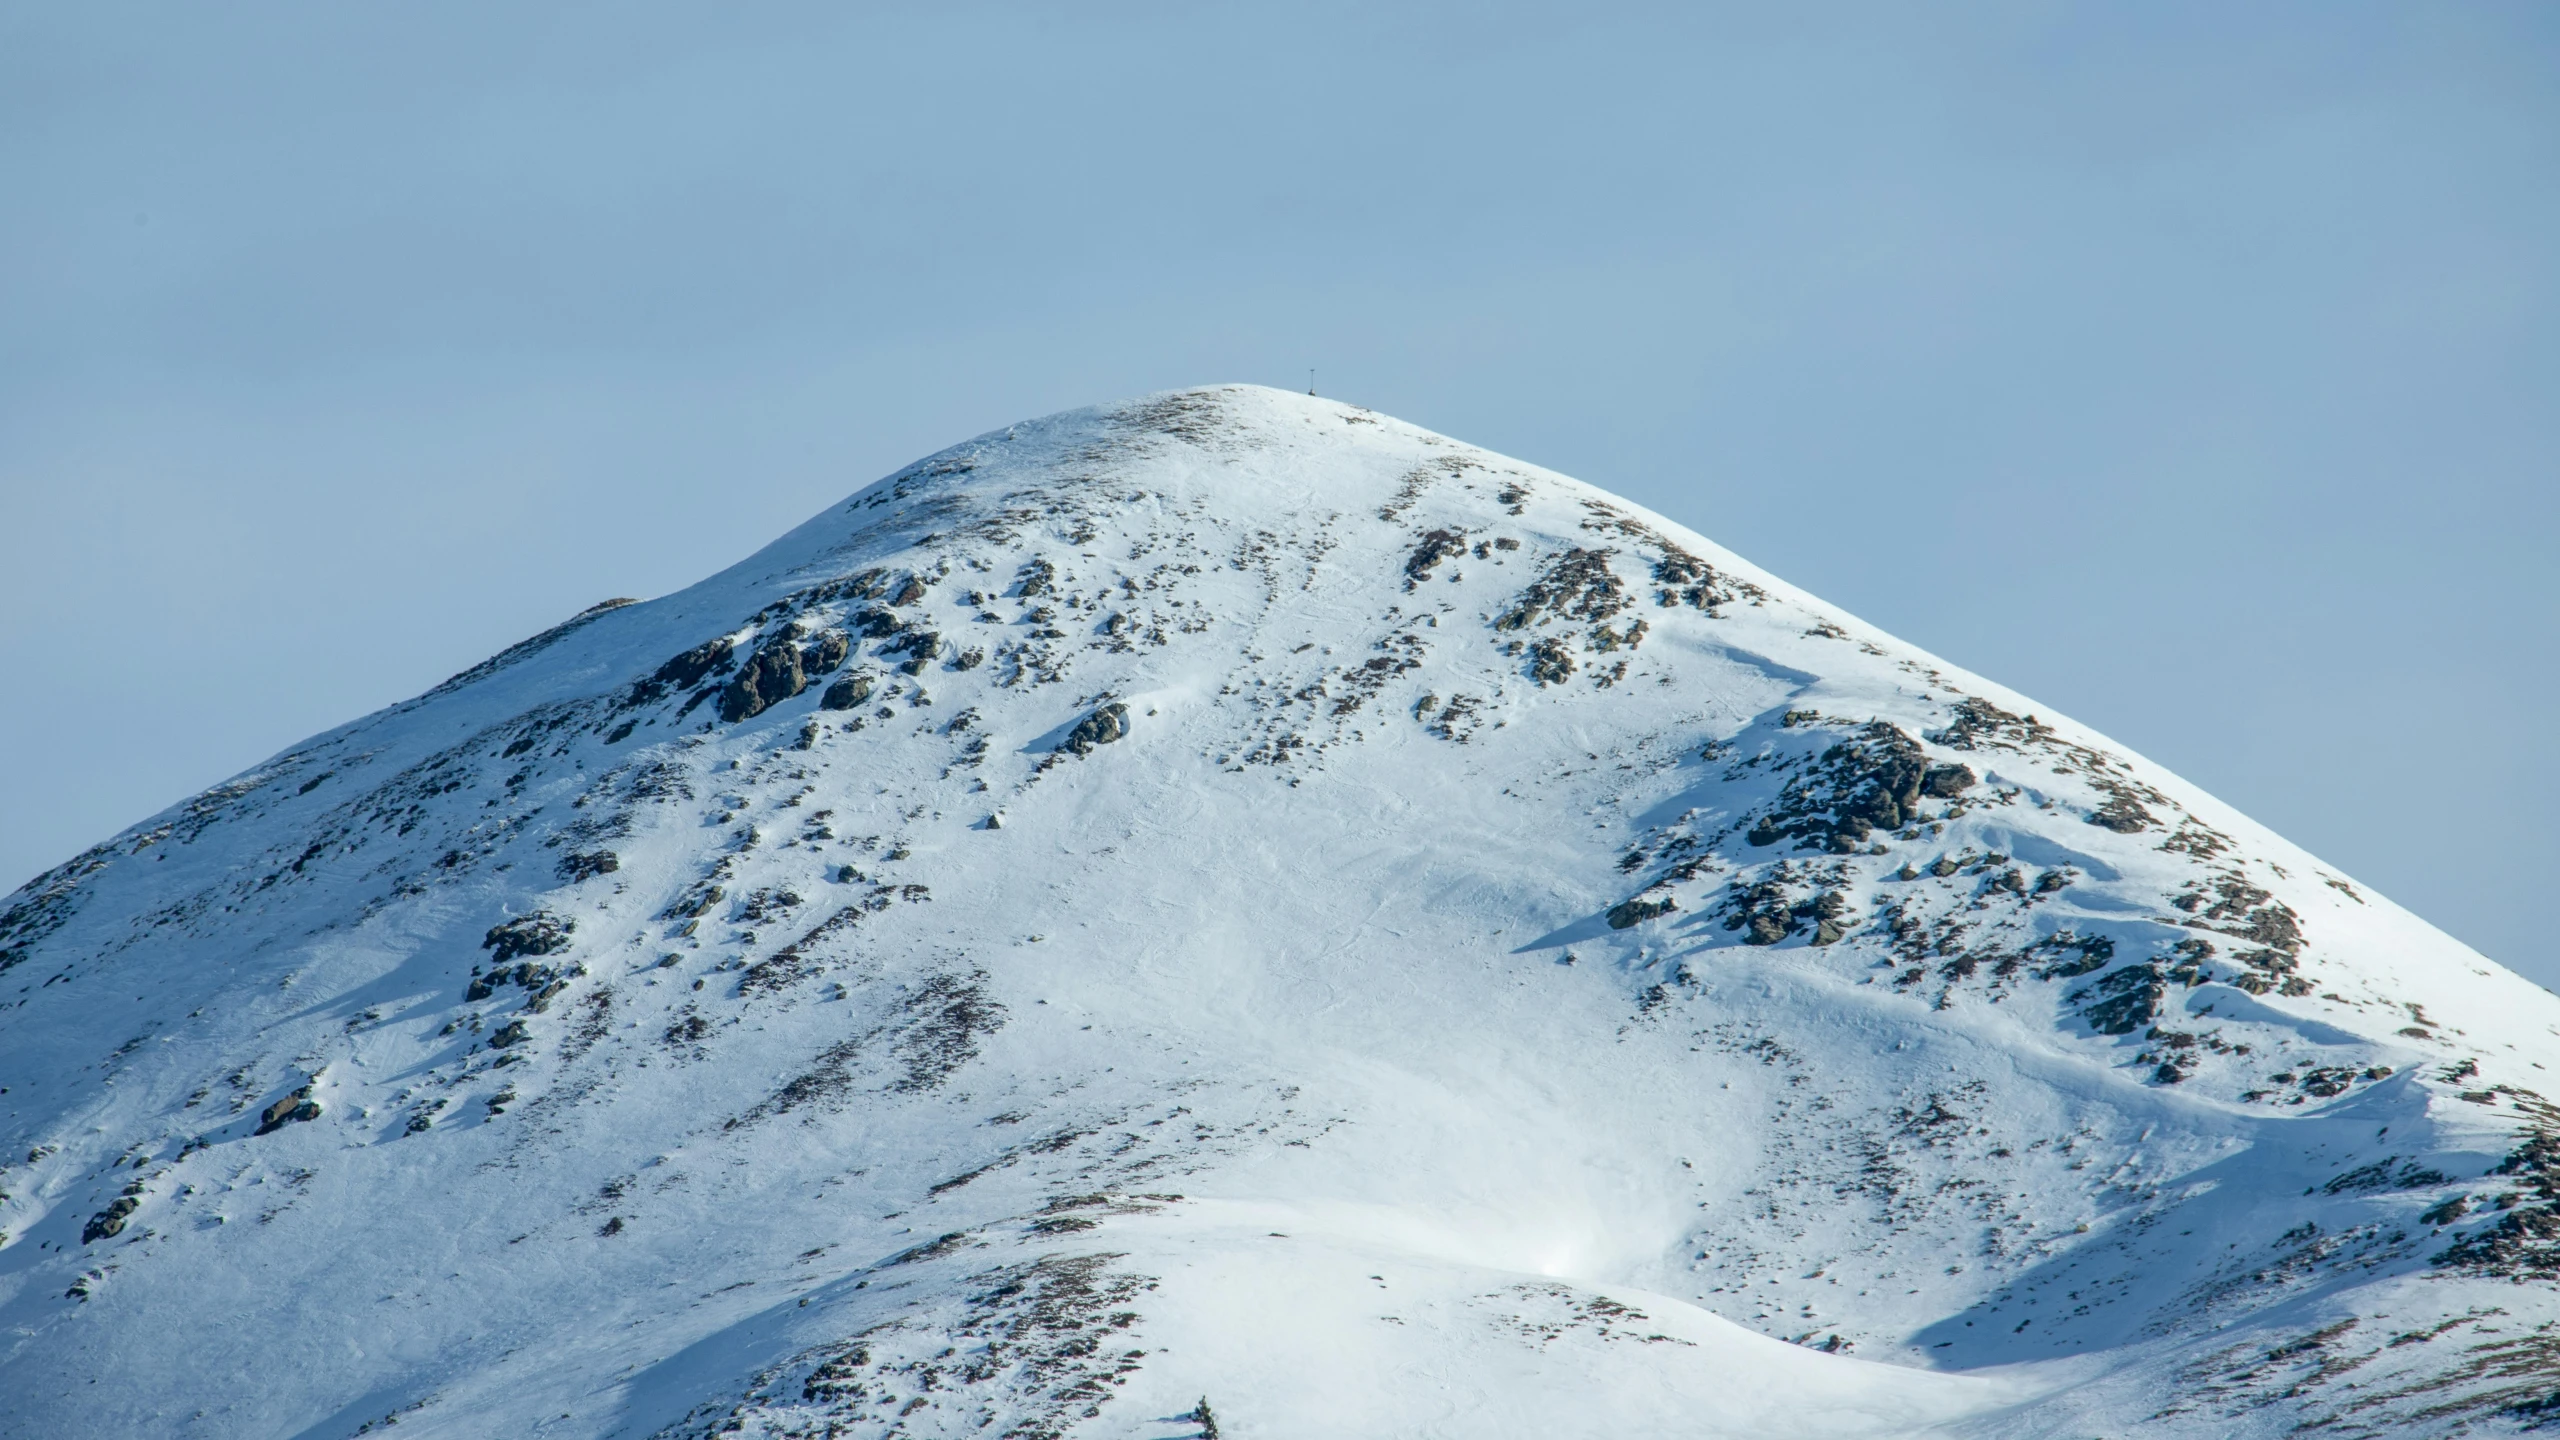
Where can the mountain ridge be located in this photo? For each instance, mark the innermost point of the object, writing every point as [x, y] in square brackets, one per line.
[1260, 733]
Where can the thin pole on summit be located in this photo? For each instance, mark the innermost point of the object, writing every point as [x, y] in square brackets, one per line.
[1311, 382]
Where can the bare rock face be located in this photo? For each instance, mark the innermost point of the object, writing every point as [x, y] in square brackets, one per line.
[684, 671]
[772, 676]
[1534, 975]
[825, 654]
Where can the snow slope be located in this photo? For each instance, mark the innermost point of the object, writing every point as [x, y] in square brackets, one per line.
[1231, 897]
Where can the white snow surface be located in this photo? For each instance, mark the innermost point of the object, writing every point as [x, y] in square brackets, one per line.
[1509, 968]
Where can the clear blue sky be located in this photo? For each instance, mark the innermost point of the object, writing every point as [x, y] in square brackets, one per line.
[2190, 367]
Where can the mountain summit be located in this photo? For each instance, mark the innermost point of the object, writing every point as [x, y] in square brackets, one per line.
[1231, 915]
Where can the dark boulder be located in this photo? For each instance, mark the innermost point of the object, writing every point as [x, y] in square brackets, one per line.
[1638, 910]
[292, 1109]
[922, 644]
[109, 1223]
[773, 676]
[683, 672]
[1869, 782]
[1103, 726]
[822, 655]
[847, 692]
[587, 864]
[1765, 913]
[689, 668]
[540, 933]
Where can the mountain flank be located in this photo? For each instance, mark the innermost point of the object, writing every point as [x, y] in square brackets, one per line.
[1231, 915]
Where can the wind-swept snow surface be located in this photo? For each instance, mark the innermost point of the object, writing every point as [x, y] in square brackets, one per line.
[1233, 896]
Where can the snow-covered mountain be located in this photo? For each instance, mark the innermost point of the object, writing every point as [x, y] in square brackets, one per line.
[1230, 914]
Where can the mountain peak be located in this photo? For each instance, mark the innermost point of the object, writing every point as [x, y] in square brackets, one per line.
[1229, 894]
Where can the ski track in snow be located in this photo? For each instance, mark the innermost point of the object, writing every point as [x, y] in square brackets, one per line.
[1233, 896]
